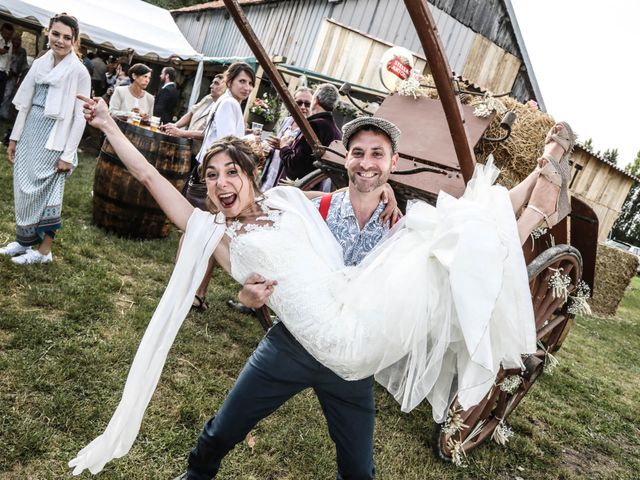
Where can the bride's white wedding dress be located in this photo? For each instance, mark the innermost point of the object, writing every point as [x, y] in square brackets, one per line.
[432, 311]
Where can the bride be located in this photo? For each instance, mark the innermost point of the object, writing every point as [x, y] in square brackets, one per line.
[432, 312]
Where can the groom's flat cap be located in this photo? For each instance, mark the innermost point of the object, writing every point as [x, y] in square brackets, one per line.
[388, 128]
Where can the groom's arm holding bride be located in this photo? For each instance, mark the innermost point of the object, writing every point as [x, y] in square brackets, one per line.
[256, 290]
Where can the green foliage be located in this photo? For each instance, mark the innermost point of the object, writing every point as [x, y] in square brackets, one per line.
[69, 331]
[171, 4]
[627, 226]
[588, 145]
[611, 155]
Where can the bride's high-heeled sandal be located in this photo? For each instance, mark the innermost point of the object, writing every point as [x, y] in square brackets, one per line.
[558, 172]
[563, 137]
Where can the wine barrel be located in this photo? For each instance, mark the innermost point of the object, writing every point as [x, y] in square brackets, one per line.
[121, 204]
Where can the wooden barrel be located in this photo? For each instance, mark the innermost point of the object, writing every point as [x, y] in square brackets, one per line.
[121, 204]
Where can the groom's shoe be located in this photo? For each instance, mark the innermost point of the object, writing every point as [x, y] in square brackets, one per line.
[182, 477]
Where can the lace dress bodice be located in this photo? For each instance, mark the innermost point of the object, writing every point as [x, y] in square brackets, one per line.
[310, 289]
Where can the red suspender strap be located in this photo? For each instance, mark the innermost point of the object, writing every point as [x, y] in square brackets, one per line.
[325, 203]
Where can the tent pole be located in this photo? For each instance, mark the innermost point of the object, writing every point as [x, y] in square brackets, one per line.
[197, 82]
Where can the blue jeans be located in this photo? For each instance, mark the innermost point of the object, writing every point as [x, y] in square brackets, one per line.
[278, 369]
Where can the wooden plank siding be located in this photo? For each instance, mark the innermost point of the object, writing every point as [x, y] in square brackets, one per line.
[490, 66]
[602, 186]
[345, 53]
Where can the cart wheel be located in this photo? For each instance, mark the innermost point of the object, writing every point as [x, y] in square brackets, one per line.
[465, 430]
[311, 181]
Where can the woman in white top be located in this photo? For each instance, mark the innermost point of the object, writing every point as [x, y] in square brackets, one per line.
[225, 118]
[44, 141]
[133, 97]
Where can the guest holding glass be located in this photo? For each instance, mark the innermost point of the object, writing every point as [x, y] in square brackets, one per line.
[193, 123]
[288, 131]
[134, 97]
[225, 118]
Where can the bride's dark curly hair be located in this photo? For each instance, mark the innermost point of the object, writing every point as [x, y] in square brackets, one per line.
[241, 153]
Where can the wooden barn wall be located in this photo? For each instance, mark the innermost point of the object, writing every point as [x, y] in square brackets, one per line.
[290, 29]
[347, 54]
[602, 186]
[521, 88]
[487, 17]
[490, 66]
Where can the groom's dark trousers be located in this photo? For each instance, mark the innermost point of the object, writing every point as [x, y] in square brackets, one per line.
[278, 369]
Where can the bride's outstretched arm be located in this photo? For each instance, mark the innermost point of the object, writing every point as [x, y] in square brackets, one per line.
[171, 201]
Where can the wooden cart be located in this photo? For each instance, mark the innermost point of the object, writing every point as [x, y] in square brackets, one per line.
[444, 160]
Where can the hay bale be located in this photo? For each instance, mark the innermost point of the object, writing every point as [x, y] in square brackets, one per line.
[516, 156]
[614, 270]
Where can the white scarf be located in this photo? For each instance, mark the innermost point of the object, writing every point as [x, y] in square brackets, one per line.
[62, 85]
[202, 235]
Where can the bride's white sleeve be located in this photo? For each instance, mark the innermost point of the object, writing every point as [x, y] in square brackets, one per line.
[202, 236]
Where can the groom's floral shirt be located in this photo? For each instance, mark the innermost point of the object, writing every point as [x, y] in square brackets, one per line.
[342, 222]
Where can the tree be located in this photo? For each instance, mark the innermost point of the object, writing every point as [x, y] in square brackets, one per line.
[627, 226]
[171, 4]
[588, 145]
[611, 155]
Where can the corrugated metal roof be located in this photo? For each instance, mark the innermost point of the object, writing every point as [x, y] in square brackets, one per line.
[612, 165]
[217, 4]
[215, 33]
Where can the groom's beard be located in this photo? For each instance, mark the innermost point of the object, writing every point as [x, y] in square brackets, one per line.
[364, 186]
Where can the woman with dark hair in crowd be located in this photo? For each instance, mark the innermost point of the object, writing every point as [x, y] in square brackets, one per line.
[133, 97]
[44, 141]
[225, 118]
[120, 77]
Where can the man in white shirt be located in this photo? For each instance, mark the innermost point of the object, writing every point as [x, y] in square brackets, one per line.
[6, 49]
[193, 123]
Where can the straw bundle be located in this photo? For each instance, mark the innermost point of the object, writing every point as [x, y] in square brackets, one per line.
[614, 270]
[516, 156]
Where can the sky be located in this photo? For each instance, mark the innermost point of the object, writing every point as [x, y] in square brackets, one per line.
[586, 61]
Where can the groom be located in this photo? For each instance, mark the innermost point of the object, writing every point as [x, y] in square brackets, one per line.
[280, 367]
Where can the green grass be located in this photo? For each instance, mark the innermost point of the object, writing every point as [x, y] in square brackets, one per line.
[69, 330]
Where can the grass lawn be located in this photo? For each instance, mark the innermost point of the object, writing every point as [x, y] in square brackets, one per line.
[69, 331]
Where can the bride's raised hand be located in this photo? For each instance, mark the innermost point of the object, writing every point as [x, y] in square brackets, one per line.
[95, 111]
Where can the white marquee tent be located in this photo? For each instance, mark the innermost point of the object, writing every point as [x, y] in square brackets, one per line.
[148, 30]
[123, 24]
